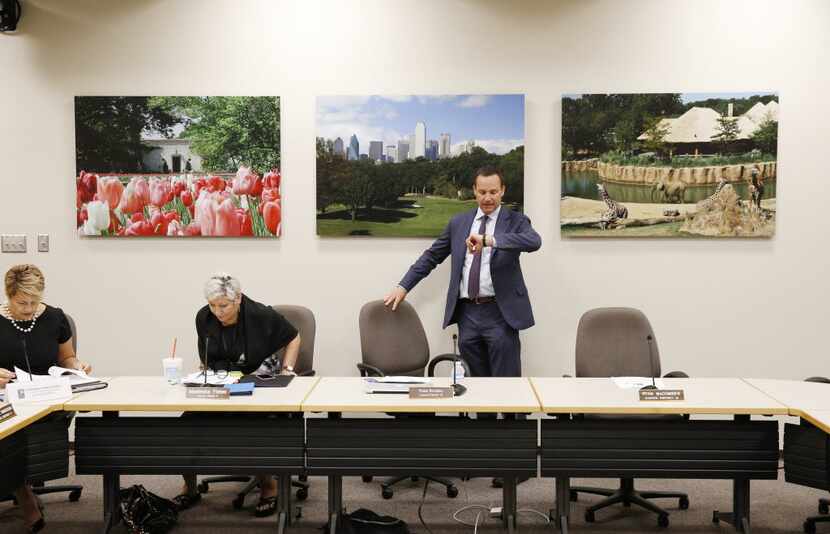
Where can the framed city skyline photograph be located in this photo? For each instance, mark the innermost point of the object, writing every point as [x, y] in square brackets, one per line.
[669, 164]
[403, 165]
[177, 166]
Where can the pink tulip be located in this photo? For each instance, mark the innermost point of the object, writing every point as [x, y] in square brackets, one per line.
[228, 220]
[109, 190]
[135, 196]
[160, 191]
[245, 181]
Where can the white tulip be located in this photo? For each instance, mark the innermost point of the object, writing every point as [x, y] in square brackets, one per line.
[98, 217]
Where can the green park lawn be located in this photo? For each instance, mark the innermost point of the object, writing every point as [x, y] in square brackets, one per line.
[403, 220]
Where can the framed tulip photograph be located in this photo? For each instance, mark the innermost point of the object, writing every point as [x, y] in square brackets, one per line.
[403, 165]
[177, 166]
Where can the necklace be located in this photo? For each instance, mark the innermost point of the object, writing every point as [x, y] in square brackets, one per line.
[26, 330]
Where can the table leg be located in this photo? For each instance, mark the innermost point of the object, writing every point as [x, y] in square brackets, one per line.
[111, 492]
[335, 502]
[563, 503]
[509, 503]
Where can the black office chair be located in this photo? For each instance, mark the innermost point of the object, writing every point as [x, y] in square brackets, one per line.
[620, 342]
[823, 504]
[39, 487]
[303, 320]
[394, 343]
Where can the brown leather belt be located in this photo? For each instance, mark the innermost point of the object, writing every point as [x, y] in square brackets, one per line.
[479, 300]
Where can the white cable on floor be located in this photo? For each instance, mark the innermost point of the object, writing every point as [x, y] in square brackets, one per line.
[469, 507]
[475, 526]
[532, 511]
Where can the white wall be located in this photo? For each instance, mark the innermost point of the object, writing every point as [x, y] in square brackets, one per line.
[718, 307]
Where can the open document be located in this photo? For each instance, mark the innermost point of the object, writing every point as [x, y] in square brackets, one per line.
[78, 380]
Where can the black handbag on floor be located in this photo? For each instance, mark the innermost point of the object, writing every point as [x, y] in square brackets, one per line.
[147, 513]
[363, 521]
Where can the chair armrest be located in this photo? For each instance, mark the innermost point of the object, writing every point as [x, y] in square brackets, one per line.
[821, 379]
[369, 370]
[446, 358]
[676, 374]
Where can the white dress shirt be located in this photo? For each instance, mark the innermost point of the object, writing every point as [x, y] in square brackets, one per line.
[485, 283]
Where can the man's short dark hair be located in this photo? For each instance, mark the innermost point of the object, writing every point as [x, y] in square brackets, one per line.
[489, 170]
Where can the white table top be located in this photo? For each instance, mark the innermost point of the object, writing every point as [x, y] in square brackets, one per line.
[25, 416]
[154, 394]
[820, 418]
[346, 394]
[702, 396]
[795, 394]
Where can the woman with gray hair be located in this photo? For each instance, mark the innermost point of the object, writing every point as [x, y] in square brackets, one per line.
[236, 333]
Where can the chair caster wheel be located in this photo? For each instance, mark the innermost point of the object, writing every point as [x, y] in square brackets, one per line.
[663, 520]
[299, 513]
[302, 494]
[238, 503]
[716, 517]
[452, 492]
[823, 508]
[366, 478]
[809, 527]
[589, 516]
[574, 496]
[683, 503]
[386, 493]
[202, 487]
[74, 495]
[498, 483]
[413, 479]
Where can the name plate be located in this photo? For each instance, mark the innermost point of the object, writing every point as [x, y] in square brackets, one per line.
[6, 411]
[661, 395]
[38, 391]
[430, 393]
[208, 393]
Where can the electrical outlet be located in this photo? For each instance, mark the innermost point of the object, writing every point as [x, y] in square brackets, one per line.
[13, 243]
[43, 242]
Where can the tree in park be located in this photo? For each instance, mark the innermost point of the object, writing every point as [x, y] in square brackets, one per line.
[108, 131]
[230, 131]
[656, 132]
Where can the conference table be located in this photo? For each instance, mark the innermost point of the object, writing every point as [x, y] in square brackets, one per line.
[806, 445]
[276, 432]
[260, 434]
[422, 436]
[634, 444]
[13, 444]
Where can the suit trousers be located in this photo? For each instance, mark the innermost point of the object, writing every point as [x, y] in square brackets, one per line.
[488, 344]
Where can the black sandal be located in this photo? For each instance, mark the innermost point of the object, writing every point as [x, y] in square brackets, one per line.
[186, 500]
[266, 506]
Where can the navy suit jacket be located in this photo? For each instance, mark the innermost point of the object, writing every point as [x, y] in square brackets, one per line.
[513, 234]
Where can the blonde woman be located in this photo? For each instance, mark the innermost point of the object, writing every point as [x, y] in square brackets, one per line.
[34, 331]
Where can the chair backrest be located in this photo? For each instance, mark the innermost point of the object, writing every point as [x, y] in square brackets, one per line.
[615, 342]
[303, 320]
[393, 341]
[74, 330]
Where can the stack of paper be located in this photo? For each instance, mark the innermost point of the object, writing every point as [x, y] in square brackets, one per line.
[393, 384]
[199, 378]
[636, 382]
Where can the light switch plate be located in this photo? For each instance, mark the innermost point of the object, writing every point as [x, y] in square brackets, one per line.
[43, 242]
[13, 242]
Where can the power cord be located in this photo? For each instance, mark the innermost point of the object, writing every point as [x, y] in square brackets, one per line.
[421, 506]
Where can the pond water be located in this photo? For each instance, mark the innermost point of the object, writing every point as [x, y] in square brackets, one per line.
[583, 184]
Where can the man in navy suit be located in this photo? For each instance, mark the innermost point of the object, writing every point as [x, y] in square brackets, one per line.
[487, 295]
